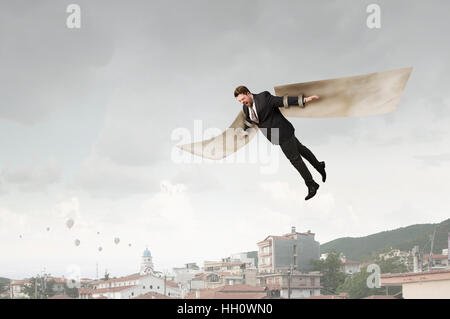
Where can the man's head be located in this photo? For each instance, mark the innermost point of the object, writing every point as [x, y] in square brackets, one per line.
[243, 95]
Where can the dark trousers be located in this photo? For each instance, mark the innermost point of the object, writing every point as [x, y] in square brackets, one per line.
[294, 150]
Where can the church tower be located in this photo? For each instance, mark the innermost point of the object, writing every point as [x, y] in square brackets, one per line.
[146, 263]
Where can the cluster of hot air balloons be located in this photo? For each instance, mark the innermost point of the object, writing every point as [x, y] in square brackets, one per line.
[69, 224]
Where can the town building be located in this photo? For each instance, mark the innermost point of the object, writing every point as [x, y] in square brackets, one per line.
[128, 287]
[153, 295]
[393, 253]
[229, 292]
[290, 251]
[343, 295]
[146, 263]
[17, 288]
[438, 261]
[286, 284]
[350, 267]
[184, 274]
[433, 284]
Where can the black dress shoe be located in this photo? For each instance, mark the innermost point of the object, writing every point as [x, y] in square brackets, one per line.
[322, 172]
[312, 190]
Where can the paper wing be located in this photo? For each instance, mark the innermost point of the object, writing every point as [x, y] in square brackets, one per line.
[361, 95]
[228, 142]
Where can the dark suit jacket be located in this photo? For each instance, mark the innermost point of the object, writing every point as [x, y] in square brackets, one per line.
[272, 123]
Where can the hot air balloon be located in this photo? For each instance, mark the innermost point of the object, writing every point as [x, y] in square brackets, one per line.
[69, 223]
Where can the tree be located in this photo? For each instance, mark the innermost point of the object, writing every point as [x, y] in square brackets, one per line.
[106, 277]
[356, 285]
[71, 292]
[332, 276]
[49, 291]
[392, 265]
[31, 289]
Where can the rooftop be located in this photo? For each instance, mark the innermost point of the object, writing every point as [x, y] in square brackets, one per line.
[153, 295]
[229, 292]
[405, 278]
[87, 291]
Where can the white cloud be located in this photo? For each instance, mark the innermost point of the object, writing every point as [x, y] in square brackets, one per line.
[10, 220]
[3, 188]
[101, 177]
[32, 177]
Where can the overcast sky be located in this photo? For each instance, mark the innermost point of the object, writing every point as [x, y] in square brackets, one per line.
[87, 115]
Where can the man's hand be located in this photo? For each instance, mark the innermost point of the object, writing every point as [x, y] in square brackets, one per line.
[310, 98]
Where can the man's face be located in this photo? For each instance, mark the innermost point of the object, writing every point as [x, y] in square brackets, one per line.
[245, 99]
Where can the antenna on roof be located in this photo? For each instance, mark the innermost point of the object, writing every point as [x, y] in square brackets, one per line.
[430, 257]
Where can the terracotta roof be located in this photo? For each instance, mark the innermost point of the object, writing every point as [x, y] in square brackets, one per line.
[20, 282]
[411, 274]
[171, 284]
[60, 297]
[380, 297]
[211, 294]
[120, 279]
[230, 292]
[286, 236]
[342, 295]
[240, 288]
[200, 276]
[223, 273]
[153, 295]
[435, 256]
[327, 297]
[240, 295]
[86, 291]
[404, 278]
[367, 264]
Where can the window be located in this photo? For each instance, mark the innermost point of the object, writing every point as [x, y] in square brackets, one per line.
[151, 287]
[143, 287]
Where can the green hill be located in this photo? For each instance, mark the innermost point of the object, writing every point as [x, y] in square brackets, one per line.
[4, 282]
[404, 238]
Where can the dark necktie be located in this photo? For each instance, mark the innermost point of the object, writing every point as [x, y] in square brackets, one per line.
[255, 118]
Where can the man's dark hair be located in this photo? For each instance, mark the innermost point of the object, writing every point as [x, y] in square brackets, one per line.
[241, 90]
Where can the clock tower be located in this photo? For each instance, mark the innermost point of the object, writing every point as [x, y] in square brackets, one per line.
[146, 263]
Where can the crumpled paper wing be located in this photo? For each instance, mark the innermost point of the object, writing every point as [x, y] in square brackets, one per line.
[228, 142]
[362, 95]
